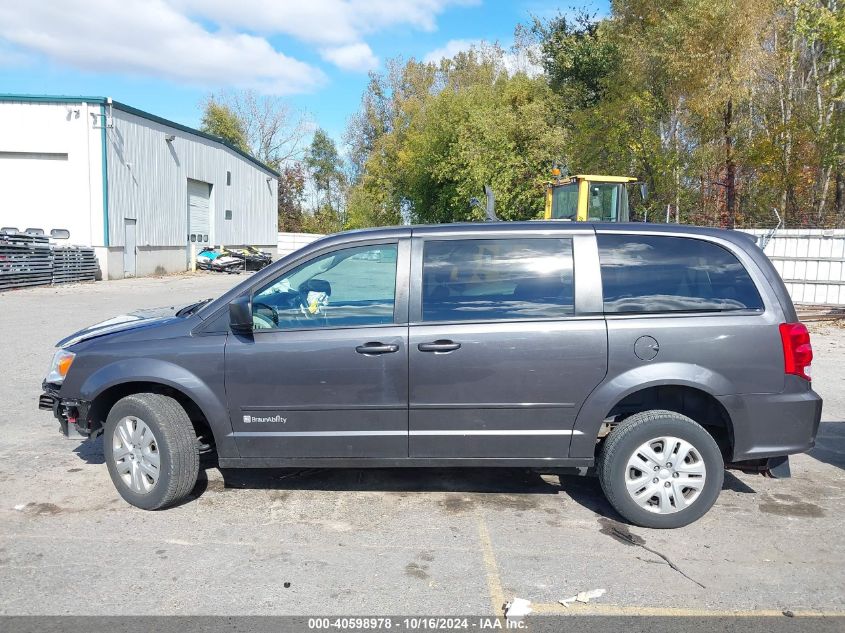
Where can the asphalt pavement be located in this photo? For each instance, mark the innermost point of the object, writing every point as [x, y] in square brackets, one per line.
[401, 541]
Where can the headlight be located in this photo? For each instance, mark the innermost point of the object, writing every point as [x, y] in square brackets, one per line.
[62, 360]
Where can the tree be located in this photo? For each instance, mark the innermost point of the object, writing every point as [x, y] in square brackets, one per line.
[219, 120]
[273, 131]
[444, 131]
[726, 108]
[268, 129]
[367, 125]
[291, 195]
[720, 50]
[578, 56]
[326, 170]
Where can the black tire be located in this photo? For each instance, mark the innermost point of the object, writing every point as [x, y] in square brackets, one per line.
[638, 429]
[176, 445]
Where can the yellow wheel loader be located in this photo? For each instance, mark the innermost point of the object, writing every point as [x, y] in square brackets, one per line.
[589, 198]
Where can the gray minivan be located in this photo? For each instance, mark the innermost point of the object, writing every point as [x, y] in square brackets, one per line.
[654, 353]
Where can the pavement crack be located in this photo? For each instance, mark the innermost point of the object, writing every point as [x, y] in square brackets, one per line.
[622, 534]
[667, 560]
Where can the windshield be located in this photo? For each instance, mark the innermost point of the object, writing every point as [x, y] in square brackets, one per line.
[603, 203]
[565, 202]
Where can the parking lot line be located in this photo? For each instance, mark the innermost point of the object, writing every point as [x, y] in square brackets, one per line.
[491, 569]
[498, 599]
[554, 608]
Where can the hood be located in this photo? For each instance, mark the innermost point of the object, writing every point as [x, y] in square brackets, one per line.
[130, 321]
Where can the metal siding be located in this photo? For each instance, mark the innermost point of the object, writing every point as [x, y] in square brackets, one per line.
[148, 181]
[51, 194]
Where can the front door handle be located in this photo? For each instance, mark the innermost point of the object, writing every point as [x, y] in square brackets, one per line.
[376, 348]
[439, 346]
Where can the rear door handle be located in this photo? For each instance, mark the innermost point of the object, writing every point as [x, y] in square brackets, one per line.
[439, 346]
[376, 348]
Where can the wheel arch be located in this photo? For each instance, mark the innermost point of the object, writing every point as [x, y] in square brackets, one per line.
[106, 399]
[687, 389]
[114, 381]
[693, 402]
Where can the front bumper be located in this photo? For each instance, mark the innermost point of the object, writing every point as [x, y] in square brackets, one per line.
[72, 414]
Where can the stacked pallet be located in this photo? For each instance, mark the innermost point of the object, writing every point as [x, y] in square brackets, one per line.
[25, 260]
[74, 263]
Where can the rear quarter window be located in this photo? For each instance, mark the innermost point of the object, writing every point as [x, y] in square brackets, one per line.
[647, 274]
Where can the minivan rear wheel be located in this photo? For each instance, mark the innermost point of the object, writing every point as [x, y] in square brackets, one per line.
[660, 469]
[151, 450]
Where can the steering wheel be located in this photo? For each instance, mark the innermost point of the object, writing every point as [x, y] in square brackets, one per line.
[273, 311]
[261, 322]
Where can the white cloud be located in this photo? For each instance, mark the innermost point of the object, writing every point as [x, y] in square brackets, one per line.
[514, 60]
[524, 61]
[326, 22]
[355, 57]
[213, 43]
[450, 49]
[150, 37]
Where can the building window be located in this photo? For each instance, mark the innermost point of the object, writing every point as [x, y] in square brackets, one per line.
[228, 178]
[228, 214]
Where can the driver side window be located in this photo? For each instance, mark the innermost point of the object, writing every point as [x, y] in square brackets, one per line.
[344, 288]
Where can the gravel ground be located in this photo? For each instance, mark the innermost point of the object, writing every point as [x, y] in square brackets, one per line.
[398, 541]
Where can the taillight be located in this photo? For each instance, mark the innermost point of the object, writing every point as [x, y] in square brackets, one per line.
[797, 351]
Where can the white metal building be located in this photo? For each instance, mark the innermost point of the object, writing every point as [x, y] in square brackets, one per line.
[138, 188]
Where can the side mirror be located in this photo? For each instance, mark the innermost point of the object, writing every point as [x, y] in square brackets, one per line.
[240, 315]
[644, 191]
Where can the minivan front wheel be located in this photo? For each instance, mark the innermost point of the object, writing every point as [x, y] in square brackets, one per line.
[151, 450]
[661, 469]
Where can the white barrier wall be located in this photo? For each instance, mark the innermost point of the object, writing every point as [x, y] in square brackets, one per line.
[290, 242]
[811, 262]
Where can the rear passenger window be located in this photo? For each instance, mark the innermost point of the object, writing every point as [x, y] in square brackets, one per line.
[476, 280]
[644, 273]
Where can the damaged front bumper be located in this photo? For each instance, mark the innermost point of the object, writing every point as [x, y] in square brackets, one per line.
[71, 413]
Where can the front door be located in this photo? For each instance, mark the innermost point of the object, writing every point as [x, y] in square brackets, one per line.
[500, 359]
[325, 371]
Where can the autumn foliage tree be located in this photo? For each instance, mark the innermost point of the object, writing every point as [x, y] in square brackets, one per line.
[268, 129]
[435, 134]
[728, 109]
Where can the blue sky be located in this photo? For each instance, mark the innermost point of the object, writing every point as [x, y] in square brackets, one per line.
[164, 56]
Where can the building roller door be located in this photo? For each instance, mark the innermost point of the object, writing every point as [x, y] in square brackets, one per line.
[199, 212]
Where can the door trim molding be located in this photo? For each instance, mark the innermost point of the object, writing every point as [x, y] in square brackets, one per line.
[326, 407]
[493, 405]
[493, 432]
[409, 462]
[316, 433]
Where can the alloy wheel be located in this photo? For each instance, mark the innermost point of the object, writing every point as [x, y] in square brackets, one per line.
[136, 455]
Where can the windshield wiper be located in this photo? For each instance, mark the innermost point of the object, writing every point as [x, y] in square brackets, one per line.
[189, 309]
